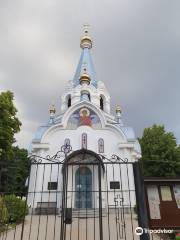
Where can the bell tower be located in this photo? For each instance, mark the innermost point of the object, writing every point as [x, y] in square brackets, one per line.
[85, 86]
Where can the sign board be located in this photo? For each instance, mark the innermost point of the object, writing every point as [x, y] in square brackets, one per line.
[153, 199]
[166, 193]
[115, 185]
[177, 194]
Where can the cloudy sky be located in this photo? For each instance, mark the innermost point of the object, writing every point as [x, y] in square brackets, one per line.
[136, 53]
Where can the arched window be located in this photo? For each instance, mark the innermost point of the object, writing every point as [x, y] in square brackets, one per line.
[69, 101]
[67, 141]
[85, 95]
[101, 103]
[84, 141]
[101, 145]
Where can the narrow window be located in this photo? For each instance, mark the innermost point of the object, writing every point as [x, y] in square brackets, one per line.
[85, 95]
[84, 140]
[52, 185]
[69, 101]
[101, 103]
[101, 145]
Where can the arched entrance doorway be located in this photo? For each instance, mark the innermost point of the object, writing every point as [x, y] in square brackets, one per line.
[83, 173]
[83, 187]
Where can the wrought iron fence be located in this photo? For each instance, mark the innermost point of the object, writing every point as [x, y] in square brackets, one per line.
[80, 195]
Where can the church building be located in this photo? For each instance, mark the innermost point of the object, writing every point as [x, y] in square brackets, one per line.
[84, 137]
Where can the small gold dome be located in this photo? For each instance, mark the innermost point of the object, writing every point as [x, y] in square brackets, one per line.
[85, 78]
[118, 109]
[52, 109]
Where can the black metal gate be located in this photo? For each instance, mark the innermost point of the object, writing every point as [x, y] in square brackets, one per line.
[82, 185]
[80, 195]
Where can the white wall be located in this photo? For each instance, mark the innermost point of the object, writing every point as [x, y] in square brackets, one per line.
[42, 174]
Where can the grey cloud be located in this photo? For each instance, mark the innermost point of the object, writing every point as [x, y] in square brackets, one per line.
[136, 53]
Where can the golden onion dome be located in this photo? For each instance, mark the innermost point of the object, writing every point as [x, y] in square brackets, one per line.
[118, 109]
[85, 78]
[52, 109]
[86, 41]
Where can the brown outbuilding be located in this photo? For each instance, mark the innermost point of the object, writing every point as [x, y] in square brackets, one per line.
[163, 202]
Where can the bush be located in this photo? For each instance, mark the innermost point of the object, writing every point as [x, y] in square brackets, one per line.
[3, 215]
[16, 208]
[3, 212]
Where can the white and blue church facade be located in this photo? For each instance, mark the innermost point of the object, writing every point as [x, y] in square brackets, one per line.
[84, 122]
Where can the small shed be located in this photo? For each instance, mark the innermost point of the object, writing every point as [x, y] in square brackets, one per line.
[163, 202]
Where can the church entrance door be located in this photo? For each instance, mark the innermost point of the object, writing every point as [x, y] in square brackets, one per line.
[83, 188]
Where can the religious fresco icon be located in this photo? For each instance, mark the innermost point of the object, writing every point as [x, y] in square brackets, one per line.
[84, 117]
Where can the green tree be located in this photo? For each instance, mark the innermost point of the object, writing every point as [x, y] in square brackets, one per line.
[160, 152]
[20, 168]
[9, 125]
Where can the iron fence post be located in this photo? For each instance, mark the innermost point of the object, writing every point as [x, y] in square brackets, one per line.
[140, 201]
[100, 204]
[25, 205]
[63, 205]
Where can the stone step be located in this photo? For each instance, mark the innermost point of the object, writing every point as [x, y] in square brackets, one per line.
[90, 213]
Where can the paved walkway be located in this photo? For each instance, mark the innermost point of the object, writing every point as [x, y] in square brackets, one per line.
[48, 228]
